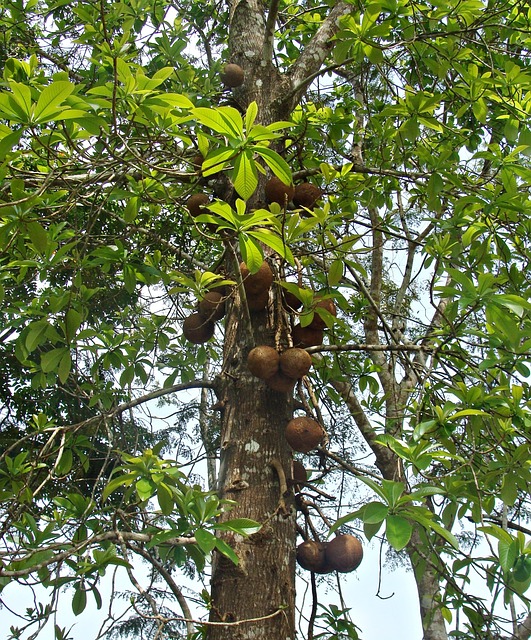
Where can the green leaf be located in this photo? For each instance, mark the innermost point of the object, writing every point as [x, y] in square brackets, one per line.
[250, 115]
[178, 100]
[224, 548]
[205, 540]
[144, 489]
[22, 98]
[224, 120]
[51, 97]
[244, 175]
[508, 552]
[415, 514]
[355, 515]
[216, 161]
[244, 526]
[117, 483]
[38, 236]
[73, 320]
[79, 601]
[398, 531]
[129, 278]
[374, 512]
[251, 252]
[97, 597]
[509, 489]
[276, 163]
[335, 272]
[271, 239]
[65, 365]
[370, 530]
[36, 334]
[51, 359]
[131, 209]
[165, 499]
[393, 491]
[9, 141]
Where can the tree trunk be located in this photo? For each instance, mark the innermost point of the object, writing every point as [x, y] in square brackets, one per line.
[427, 579]
[255, 459]
[252, 440]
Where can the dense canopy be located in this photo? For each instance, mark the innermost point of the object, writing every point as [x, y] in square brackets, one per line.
[183, 182]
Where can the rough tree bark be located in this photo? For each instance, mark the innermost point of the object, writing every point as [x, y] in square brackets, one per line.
[254, 453]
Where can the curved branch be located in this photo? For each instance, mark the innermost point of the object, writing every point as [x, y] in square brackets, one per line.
[125, 406]
[315, 53]
[386, 460]
[113, 536]
[270, 31]
[179, 596]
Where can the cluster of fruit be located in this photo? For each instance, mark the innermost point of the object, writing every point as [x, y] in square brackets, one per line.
[343, 553]
[280, 371]
[199, 326]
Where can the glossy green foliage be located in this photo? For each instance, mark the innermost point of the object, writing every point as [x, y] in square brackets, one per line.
[417, 131]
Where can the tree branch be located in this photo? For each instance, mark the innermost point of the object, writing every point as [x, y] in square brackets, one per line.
[113, 536]
[315, 53]
[159, 568]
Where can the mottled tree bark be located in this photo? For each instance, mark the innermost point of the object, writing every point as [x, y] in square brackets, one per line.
[252, 439]
[254, 453]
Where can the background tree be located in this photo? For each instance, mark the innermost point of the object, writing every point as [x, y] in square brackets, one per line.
[406, 253]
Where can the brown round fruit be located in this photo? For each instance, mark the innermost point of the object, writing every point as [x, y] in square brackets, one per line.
[232, 75]
[295, 363]
[306, 195]
[258, 301]
[197, 162]
[258, 282]
[311, 555]
[262, 361]
[277, 191]
[212, 306]
[281, 383]
[328, 305]
[197, 330]
[196, 203]
[344, 553]
[306, 336]
[304, 434]
[290, 301]
[299, 474]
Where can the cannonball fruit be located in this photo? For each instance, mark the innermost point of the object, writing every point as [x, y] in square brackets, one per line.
[290, 301]
[255, 283]
[232, 75]
[304, 434]
[306, 195]
[306, 336]
[197, 161]
[344, 553]
[311, 555]
[212, 306]
[262, 361]
[258, 301]
[277, 191]
[281, 383]
[197, 330]
[196, 203]
[299, 474]
[328, 305]
[295, 363]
